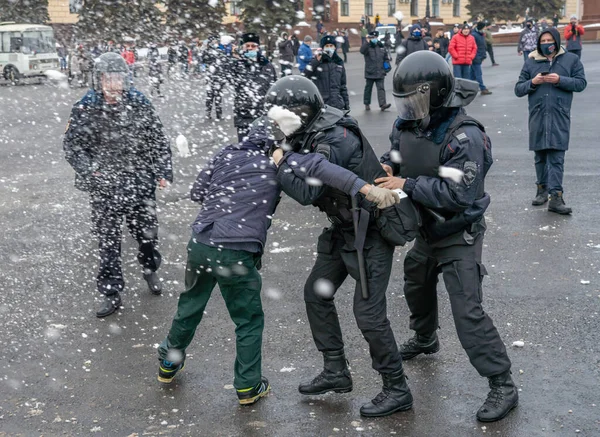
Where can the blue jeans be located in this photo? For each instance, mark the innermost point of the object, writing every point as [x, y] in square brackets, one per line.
[477, 74]
[526, 54]
[549, 168]
[462, 71]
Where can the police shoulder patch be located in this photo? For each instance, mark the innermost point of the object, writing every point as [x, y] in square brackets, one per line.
[462, 137]
[470, 172]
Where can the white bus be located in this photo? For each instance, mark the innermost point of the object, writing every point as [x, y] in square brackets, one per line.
[26, 50]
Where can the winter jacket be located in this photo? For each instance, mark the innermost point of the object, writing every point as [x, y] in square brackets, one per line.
[481, 49]
[216, 61]
[305, 55]
[550, 104]
[237, 206]
[252, 80]
[411, 44]
[469, 149]
[489, 38]
[573, 36]
[444, 43]
[375, 55]
[117, 150]
[329, 74]
[463, 49]
[286, 50]
[527, 40]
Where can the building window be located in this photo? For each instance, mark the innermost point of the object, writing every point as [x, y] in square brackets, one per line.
[234, 7]
[391, 8]
[435, 8]
[456, 8]
[414, 8]
[345, 8]
[369, 7]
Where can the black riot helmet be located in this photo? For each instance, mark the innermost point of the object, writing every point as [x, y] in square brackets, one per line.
[423, 83]
[111, 64]
[298, 95]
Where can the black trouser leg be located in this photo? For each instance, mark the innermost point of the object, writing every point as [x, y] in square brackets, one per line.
[218, 94]
[107, 221]
[420, 289]
[371, 314]
[368, 91]
[143, 226]
[463, 274]
[210, 95]
[380, 92]
[242, 132]
[490, 50]
[320, 307]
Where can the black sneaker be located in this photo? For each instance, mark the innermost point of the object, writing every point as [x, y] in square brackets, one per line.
[420, 344]
[110, 304]
[167, 370]
[249, 396]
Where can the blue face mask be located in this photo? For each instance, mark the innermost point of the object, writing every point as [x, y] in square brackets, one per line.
[417, 33]
[330, 52]
[251, 54]
[548, 49]
[374, 40]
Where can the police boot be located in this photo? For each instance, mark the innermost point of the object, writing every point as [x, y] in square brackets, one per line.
[541, 196]
[502, 398]
[420, 344]
[334, 377]
[395, 396]
[154, 284]
[110, 305]
[557, 204]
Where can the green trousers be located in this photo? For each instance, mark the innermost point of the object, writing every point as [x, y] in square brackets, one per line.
[237, 275]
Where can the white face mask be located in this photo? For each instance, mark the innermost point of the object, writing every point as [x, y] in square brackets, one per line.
[330, 52]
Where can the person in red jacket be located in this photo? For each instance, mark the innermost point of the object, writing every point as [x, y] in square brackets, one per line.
[573, 32]
[463, 50]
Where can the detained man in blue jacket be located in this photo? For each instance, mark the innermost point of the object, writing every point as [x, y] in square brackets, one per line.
[239, 192]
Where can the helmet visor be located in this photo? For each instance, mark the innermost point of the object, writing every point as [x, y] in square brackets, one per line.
[414, 105]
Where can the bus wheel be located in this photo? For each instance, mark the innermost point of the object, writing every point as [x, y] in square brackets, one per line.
[11, 74]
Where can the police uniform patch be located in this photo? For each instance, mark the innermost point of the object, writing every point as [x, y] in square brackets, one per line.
[462, 137]
[470, 172]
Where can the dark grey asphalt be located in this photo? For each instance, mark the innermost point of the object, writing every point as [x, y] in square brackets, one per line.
[64, 372]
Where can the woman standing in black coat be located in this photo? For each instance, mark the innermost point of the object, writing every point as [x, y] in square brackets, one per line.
[328, 73]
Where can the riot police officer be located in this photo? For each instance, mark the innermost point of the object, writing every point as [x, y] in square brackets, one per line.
[353, 245]
[115, 143]
[433, 131]
[216, 61]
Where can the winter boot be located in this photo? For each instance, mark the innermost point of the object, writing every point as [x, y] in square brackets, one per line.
[386, 106]
[557, 204]
[541, 196]
[395, 396]
[485, 92]
[110, 305]
[420, 344]
[334, 377]
[252, 395]
[502, 398]
[367, 107]
[154, 284]
[168, 369]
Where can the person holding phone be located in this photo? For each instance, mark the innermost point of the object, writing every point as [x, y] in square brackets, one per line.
[549, 78]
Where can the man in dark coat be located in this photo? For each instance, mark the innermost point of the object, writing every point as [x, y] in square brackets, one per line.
[116, 145]
[217, 64]
[476, 71]
[375, 56]
[252, 74]
[432, 136]
[286, 54]
[327, 71]
[549, 78]
[441, 43]
[413, 43]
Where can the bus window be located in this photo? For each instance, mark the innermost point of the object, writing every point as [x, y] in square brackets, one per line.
[7, 41]
[16, 44]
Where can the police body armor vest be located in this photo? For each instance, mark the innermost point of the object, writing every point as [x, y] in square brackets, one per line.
[421, 156]
[333, 202]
